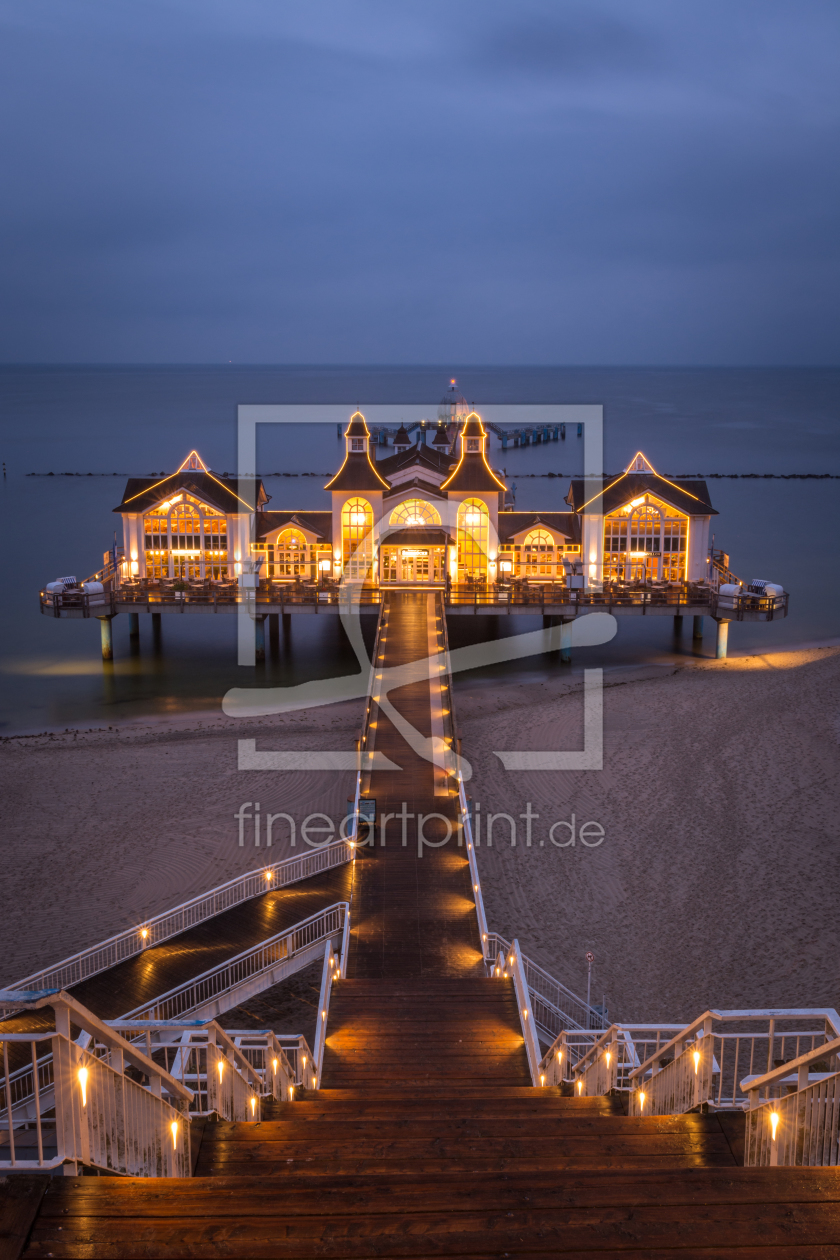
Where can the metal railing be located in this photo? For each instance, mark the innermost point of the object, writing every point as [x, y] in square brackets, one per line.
[330, 973]
[599, 1062]
[109, 1106]
[255, 969]
[555, 1007]
[205, 1058]
[704, 1063]
[132, 941]
[801, 1127]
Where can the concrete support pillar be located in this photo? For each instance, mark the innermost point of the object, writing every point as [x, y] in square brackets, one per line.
[722, 643]
[134, 625]
[566, 641]
[698, 628]
[259, 638]
[678, 624]
[107, 638]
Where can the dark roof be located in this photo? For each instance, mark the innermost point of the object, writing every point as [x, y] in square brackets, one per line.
[441, 437]
[357, 426]
[688, 496]
[319, 523]
[414, 536]
[143, 493]
[427, 487]
[473, 473]
[428, 456]
[357, 473]
[566, 523]
[473, 426]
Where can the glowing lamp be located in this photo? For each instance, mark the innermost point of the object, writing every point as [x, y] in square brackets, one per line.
[291, 1091]
[253, 1104]
[641, 1100]
[542, 1078]
[637, 502]
[774, 1124]
[83, 1076]
[274, 1066]
[608, 1056]
[144, 932]
[174, 1128]
[357, 518]
[268, 875]
[696, 1057]
[580, 1087]
[559, 1056]
[221, 1070]
[324, 566]
[505, 566]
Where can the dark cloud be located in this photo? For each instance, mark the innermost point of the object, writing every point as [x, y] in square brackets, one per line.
[543, 182]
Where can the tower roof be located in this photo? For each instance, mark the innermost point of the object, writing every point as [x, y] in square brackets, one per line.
[472, 471]
[357, 472]
[357, 426]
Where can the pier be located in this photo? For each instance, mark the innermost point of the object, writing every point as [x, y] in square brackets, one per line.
[458, 1100]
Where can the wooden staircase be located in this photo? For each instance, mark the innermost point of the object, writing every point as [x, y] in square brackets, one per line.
[427, 1138]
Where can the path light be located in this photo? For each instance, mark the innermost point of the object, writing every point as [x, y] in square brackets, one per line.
[542, 1078]
[641, 1101]
[559, 1056]
[580, 1086]
[268, 875]
[291, 1093]
[337, 972]
[323, 1014]
[608, 1056]
[221, 1066]
[524, 1013]
[83, 1075]
[253, 1105]
[304, 1063]
[174, 1127]
[144, 932]
[774, 1123]
[332, 961]
[696, 1057]
[274, 1066]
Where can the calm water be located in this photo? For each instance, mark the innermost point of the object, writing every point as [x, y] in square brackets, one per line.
[144, 420]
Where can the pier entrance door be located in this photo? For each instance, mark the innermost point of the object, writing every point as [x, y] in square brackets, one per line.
[413, 565]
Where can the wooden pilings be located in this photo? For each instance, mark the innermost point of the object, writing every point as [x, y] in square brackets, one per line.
[107, 638]
[722, 642]
[698, 628]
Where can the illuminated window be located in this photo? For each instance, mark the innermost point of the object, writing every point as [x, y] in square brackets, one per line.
[415, 512]
[538, 554]
[473, 538]
[291, 556]
[356, 545]
[473, 444]
[645, 540]
[357, 444]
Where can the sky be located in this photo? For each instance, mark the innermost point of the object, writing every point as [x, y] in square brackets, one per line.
[372, 181]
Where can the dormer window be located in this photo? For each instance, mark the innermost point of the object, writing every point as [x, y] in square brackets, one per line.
[357, 444]
[473, 444]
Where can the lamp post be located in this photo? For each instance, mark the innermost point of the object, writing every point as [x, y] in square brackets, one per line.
[590, 958]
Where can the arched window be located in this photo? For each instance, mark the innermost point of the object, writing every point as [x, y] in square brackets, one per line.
[356, 532]
[538, 554]
[473, 539]
[415, 512]
[184, 538]
[290, 555]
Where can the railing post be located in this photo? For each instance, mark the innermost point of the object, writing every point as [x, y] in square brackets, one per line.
[526, 1015]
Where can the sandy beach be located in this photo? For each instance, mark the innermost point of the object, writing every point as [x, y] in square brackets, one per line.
[716, 881]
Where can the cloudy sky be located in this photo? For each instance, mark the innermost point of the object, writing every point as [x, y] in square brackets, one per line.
[375, 181]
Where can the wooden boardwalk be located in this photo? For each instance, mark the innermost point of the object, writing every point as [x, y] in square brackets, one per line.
[427, 1138]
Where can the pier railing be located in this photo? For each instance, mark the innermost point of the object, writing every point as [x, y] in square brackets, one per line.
[702, 598]
[798, 1123]
[76, 1105]
[705, 1063]
[555, 1008]
[600, 1062]
[135, 940]
[255, 969]
[206, 1059]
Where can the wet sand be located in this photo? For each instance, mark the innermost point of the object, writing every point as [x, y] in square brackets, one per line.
[716, 882]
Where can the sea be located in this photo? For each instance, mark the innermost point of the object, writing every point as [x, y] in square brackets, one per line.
[768, 440]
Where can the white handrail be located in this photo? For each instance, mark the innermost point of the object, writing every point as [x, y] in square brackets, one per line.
[553, 1002]
[753, 1085]
[801, 1128]
[526, 1015]
[132, 941]
[225, 986]
[328, 978]
[475, 880]
[101, 1118]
